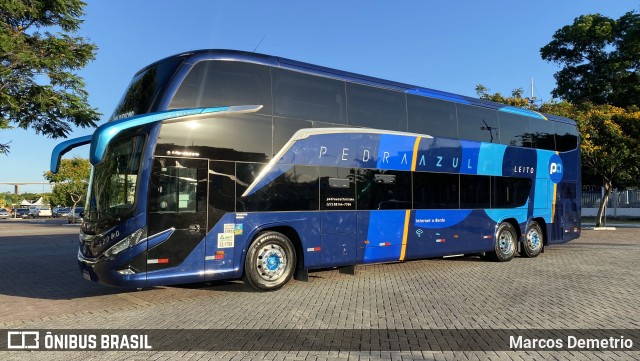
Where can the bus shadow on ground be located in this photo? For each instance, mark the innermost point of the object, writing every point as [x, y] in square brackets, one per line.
[45, 267]
[235, 286]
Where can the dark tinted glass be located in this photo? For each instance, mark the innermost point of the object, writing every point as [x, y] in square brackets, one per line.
[514, 130]
[222, 190]
[241, 137]
[566, 137]
[376, 108]
[144, 93]
[435, 190]
[177, 186]
[224, 83]
[509, 192]
[432, 116]
[542, 134]
[480, 124]
[284, 128]
[475, 191]
[377, 189]
[308, 97]
[337, 189]
[294, 190]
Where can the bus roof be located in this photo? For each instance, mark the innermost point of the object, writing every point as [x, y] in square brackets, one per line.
[294, 65]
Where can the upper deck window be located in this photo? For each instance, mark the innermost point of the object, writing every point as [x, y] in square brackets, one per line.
[434, 117]
[480, 124]
[514, 130]
[309, 97]
[225, 83]
[376, 108]
[566, 137]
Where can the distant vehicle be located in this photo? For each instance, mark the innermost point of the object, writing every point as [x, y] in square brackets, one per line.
[21, 212]
[4, 213]
[39, 211]
[79, 212]
[61, 212]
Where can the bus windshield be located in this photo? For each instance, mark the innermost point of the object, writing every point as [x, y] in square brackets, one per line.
[145, 89]
[113, 188]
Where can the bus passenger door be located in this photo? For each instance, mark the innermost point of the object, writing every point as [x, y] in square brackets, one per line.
[177, 200]
[568, 207]
[337, 204]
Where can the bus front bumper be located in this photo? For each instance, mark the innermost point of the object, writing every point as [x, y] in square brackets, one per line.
[104, 271]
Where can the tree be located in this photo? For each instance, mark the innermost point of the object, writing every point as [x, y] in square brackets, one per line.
[39, 88]
[515, 99]
[71, 181]
[600, 59]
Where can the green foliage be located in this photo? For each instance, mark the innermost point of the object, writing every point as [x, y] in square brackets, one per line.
[71, 181]
[600, 59]
[8, 199]
[39, 88]
[515, 99]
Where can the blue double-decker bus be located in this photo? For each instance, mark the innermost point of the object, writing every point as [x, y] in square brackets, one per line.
[221, 164]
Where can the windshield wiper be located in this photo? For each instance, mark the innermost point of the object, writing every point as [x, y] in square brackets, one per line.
[101, 213]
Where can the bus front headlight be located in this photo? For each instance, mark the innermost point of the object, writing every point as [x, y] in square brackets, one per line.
[129, 241]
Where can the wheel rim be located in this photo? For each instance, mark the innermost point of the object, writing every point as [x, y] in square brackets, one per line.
[271, 262]
[505, 243]
[533, 239]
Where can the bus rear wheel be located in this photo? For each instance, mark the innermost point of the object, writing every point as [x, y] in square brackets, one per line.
[533, 240]
[270, 261]
[506, 243]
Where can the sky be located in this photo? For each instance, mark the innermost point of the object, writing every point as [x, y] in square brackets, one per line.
[446, 45]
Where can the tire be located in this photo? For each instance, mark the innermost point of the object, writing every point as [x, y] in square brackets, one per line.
[533, 241]
[506, 243]
[270, 261]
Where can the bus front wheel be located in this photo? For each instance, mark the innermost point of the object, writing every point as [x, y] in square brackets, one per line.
[506, 243]
[270, 261]
[533, 240]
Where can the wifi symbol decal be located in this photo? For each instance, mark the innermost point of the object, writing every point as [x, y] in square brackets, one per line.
[419, 232]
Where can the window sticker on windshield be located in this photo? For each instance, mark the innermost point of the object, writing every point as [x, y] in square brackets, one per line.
[228, 227]
[225, 240]
[238, 229]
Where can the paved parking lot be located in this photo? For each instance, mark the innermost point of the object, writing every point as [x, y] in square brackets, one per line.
[591, 283]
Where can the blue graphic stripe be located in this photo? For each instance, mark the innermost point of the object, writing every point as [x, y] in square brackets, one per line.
[438, 95]
[523, 112]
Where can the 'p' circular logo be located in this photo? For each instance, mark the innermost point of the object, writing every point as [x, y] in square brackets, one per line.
[555, 168]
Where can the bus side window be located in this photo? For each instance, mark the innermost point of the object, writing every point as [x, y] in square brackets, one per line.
[435, 190]
[514, 130]
[225, 83]
[302, 96]
[174, 189]
[434, 117]
[377, 189]
[476, 123]
[376, 108]
[475, 191]
[542, 135]
[337, 189]
[566, 137]
[509, 192]
[294, 190]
